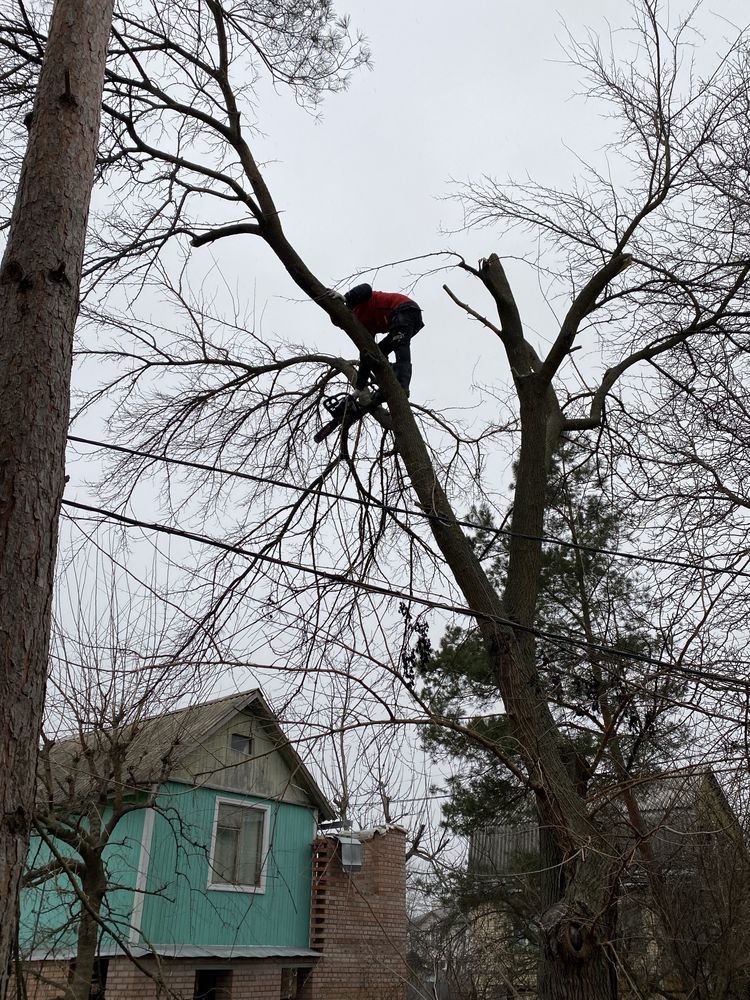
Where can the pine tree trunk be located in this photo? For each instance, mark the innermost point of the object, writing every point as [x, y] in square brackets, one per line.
[39, 288]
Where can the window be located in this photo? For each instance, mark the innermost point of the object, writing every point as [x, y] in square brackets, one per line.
[241, 743]
[238, 848]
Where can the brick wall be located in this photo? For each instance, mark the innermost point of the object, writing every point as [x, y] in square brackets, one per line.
[359, 922]
[43, 980]
[243, 980]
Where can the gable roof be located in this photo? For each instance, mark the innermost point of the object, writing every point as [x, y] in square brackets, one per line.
[672, 807]
[150, 749]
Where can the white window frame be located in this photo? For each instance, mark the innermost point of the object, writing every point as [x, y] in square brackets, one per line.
[240, 804]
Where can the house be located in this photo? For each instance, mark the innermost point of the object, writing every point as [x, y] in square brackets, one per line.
[219, 881]
[683, 929]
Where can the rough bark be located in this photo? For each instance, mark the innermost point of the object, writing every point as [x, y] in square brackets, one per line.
[583, 974]
[39, 287]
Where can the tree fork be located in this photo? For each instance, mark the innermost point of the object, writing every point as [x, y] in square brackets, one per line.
[561, 806]
[39, 289]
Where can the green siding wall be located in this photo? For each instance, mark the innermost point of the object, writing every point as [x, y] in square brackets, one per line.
[180, 908]
[49, 911]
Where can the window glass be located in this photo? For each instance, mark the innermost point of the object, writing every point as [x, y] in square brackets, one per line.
[226, 851]
[238, 845]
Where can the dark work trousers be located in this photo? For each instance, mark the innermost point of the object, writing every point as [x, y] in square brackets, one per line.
[406, 322]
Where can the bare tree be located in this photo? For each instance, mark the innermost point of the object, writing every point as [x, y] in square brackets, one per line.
[657, 266]
[113, 670]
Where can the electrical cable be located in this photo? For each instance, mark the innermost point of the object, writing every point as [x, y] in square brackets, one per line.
[373, 588]
[268, 481]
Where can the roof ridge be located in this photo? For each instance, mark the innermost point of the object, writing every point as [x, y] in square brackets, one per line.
[204, 704]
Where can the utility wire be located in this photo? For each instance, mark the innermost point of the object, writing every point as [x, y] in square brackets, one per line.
[269, 481]
[373, 588]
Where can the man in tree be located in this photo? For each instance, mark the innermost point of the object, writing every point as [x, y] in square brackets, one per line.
[400, 319]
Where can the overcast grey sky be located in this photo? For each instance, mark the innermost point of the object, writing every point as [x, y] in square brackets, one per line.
[456, 91]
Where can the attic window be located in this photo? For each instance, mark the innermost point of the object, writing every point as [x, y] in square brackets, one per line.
[241, 743]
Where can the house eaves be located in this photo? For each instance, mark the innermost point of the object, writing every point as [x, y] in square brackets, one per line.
[223, 952]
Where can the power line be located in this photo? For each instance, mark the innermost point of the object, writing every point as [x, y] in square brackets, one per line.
[430, 603]
[263, 557]
[296, 487]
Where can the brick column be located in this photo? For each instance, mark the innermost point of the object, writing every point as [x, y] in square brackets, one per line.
[358, 921]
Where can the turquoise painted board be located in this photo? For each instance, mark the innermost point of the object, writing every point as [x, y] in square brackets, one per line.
[48, 911]
[182, 908]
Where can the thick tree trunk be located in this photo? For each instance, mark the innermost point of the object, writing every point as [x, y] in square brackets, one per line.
[563, 976]
[579, 917]
[39, 286]
[575, 930]
[577, 926]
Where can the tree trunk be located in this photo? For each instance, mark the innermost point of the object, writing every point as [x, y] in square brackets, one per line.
[93, 888]
[578, 921]
[575, 931]
[575, 940]
[39, 286]
[566, 977]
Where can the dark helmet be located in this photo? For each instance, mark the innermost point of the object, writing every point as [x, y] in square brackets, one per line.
[357, 295]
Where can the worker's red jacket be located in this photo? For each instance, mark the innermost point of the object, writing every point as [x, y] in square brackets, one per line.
[376, 314]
